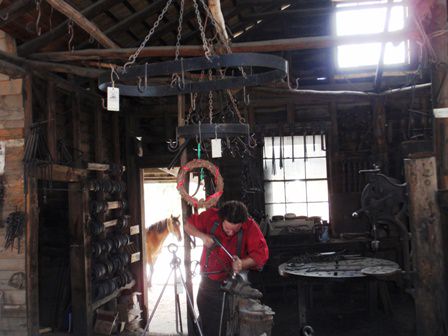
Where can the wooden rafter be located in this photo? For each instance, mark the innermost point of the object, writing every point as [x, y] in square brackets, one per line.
[41, 41]
[14, 66]
[302, 43]
[83, 22]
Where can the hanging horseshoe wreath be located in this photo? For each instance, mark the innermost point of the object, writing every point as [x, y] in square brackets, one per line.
[219, 183]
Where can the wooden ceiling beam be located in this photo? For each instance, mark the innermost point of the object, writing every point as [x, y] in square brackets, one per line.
[43, 40]
[89, 27]
[301, 43]
[12, 70]
[19, 62]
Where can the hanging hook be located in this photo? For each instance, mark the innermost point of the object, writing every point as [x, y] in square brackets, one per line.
[181, 84]
[173, 145]
[112, 72]
[139, 85]
[103, 103]
[146, 76]
[39, 14]
[289, 83]
[5, 17]
[246, 97]
[252, 143]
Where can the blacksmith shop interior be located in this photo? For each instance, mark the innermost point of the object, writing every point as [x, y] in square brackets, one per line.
[126, 125]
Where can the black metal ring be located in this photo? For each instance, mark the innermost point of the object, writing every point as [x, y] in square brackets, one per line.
[210, 131]
[278, 69]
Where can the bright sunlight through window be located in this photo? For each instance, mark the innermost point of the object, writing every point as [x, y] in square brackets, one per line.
[369, 17]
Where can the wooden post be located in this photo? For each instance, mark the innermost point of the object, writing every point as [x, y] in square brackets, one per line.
[80, 260]
[186, 212]
[51, 120]
[428, 249]
[32, 226]
[76, 127]
[134, 179]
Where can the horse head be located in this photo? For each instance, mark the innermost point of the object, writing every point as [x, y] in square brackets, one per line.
[174, 227]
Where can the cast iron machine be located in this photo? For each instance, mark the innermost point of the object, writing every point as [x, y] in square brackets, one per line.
[384, 202]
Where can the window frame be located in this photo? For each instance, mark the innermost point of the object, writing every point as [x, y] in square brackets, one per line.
[304, 156]
[409, 62]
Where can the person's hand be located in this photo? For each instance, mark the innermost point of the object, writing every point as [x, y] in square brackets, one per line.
[237, 264]
[208, 241]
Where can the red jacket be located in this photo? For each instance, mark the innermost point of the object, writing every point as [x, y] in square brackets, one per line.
[253, 244]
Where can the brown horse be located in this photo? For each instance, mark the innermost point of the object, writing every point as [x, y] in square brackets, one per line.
[156, 235]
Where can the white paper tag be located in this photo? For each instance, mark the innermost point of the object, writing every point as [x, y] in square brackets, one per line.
[113, 99]
[216, 148]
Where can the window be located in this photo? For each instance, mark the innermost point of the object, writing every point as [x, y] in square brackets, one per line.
[300, 185]
[369, 17]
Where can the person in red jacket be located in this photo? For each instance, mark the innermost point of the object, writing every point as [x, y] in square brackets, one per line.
[241, 236]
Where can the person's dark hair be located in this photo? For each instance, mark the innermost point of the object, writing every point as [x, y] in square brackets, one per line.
[234, 212]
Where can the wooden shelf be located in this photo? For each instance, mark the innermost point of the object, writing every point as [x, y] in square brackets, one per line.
[111, 296]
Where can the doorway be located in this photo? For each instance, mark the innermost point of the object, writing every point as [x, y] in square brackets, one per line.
[161, 200]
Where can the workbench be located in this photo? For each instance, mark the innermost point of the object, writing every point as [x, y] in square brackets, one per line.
[334, 268]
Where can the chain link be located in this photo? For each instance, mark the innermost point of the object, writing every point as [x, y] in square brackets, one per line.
[134, 56]
[71, 33]
[205, 45]
[39, 14]
[179, 29]
[210, 98]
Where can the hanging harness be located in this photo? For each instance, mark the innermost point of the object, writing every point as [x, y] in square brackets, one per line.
[239, 244]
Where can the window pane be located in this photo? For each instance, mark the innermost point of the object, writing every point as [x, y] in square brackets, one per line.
[297, 208]
[317, 191]
[268, 147]
[275, 210]
[269, 171]
[295, 191]
[360, 21]
[314, 147]
[355, 55]
[294, 170]
[298, 146]
[287, 147]
[316, 168]
[274, 192]
[395, 54]
[318, 209]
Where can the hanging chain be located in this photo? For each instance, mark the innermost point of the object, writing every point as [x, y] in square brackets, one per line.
[134, 56]
[205, 45]
[241, 119]
[71, 33]
[179, 29]
[39, 14]
[175, 79]
[210, 98]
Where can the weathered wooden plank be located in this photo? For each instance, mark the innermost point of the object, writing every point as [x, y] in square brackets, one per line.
[16, 264]
[83, 22]
[301, 43]
[32, 250]
[11, 87]
[428, 248]
[11, 133]
[13, 324]
[76, 126]
[12, 70]
[51, 120]
[62, 173]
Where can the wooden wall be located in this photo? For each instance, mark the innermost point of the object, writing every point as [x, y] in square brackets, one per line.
[13, 321]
